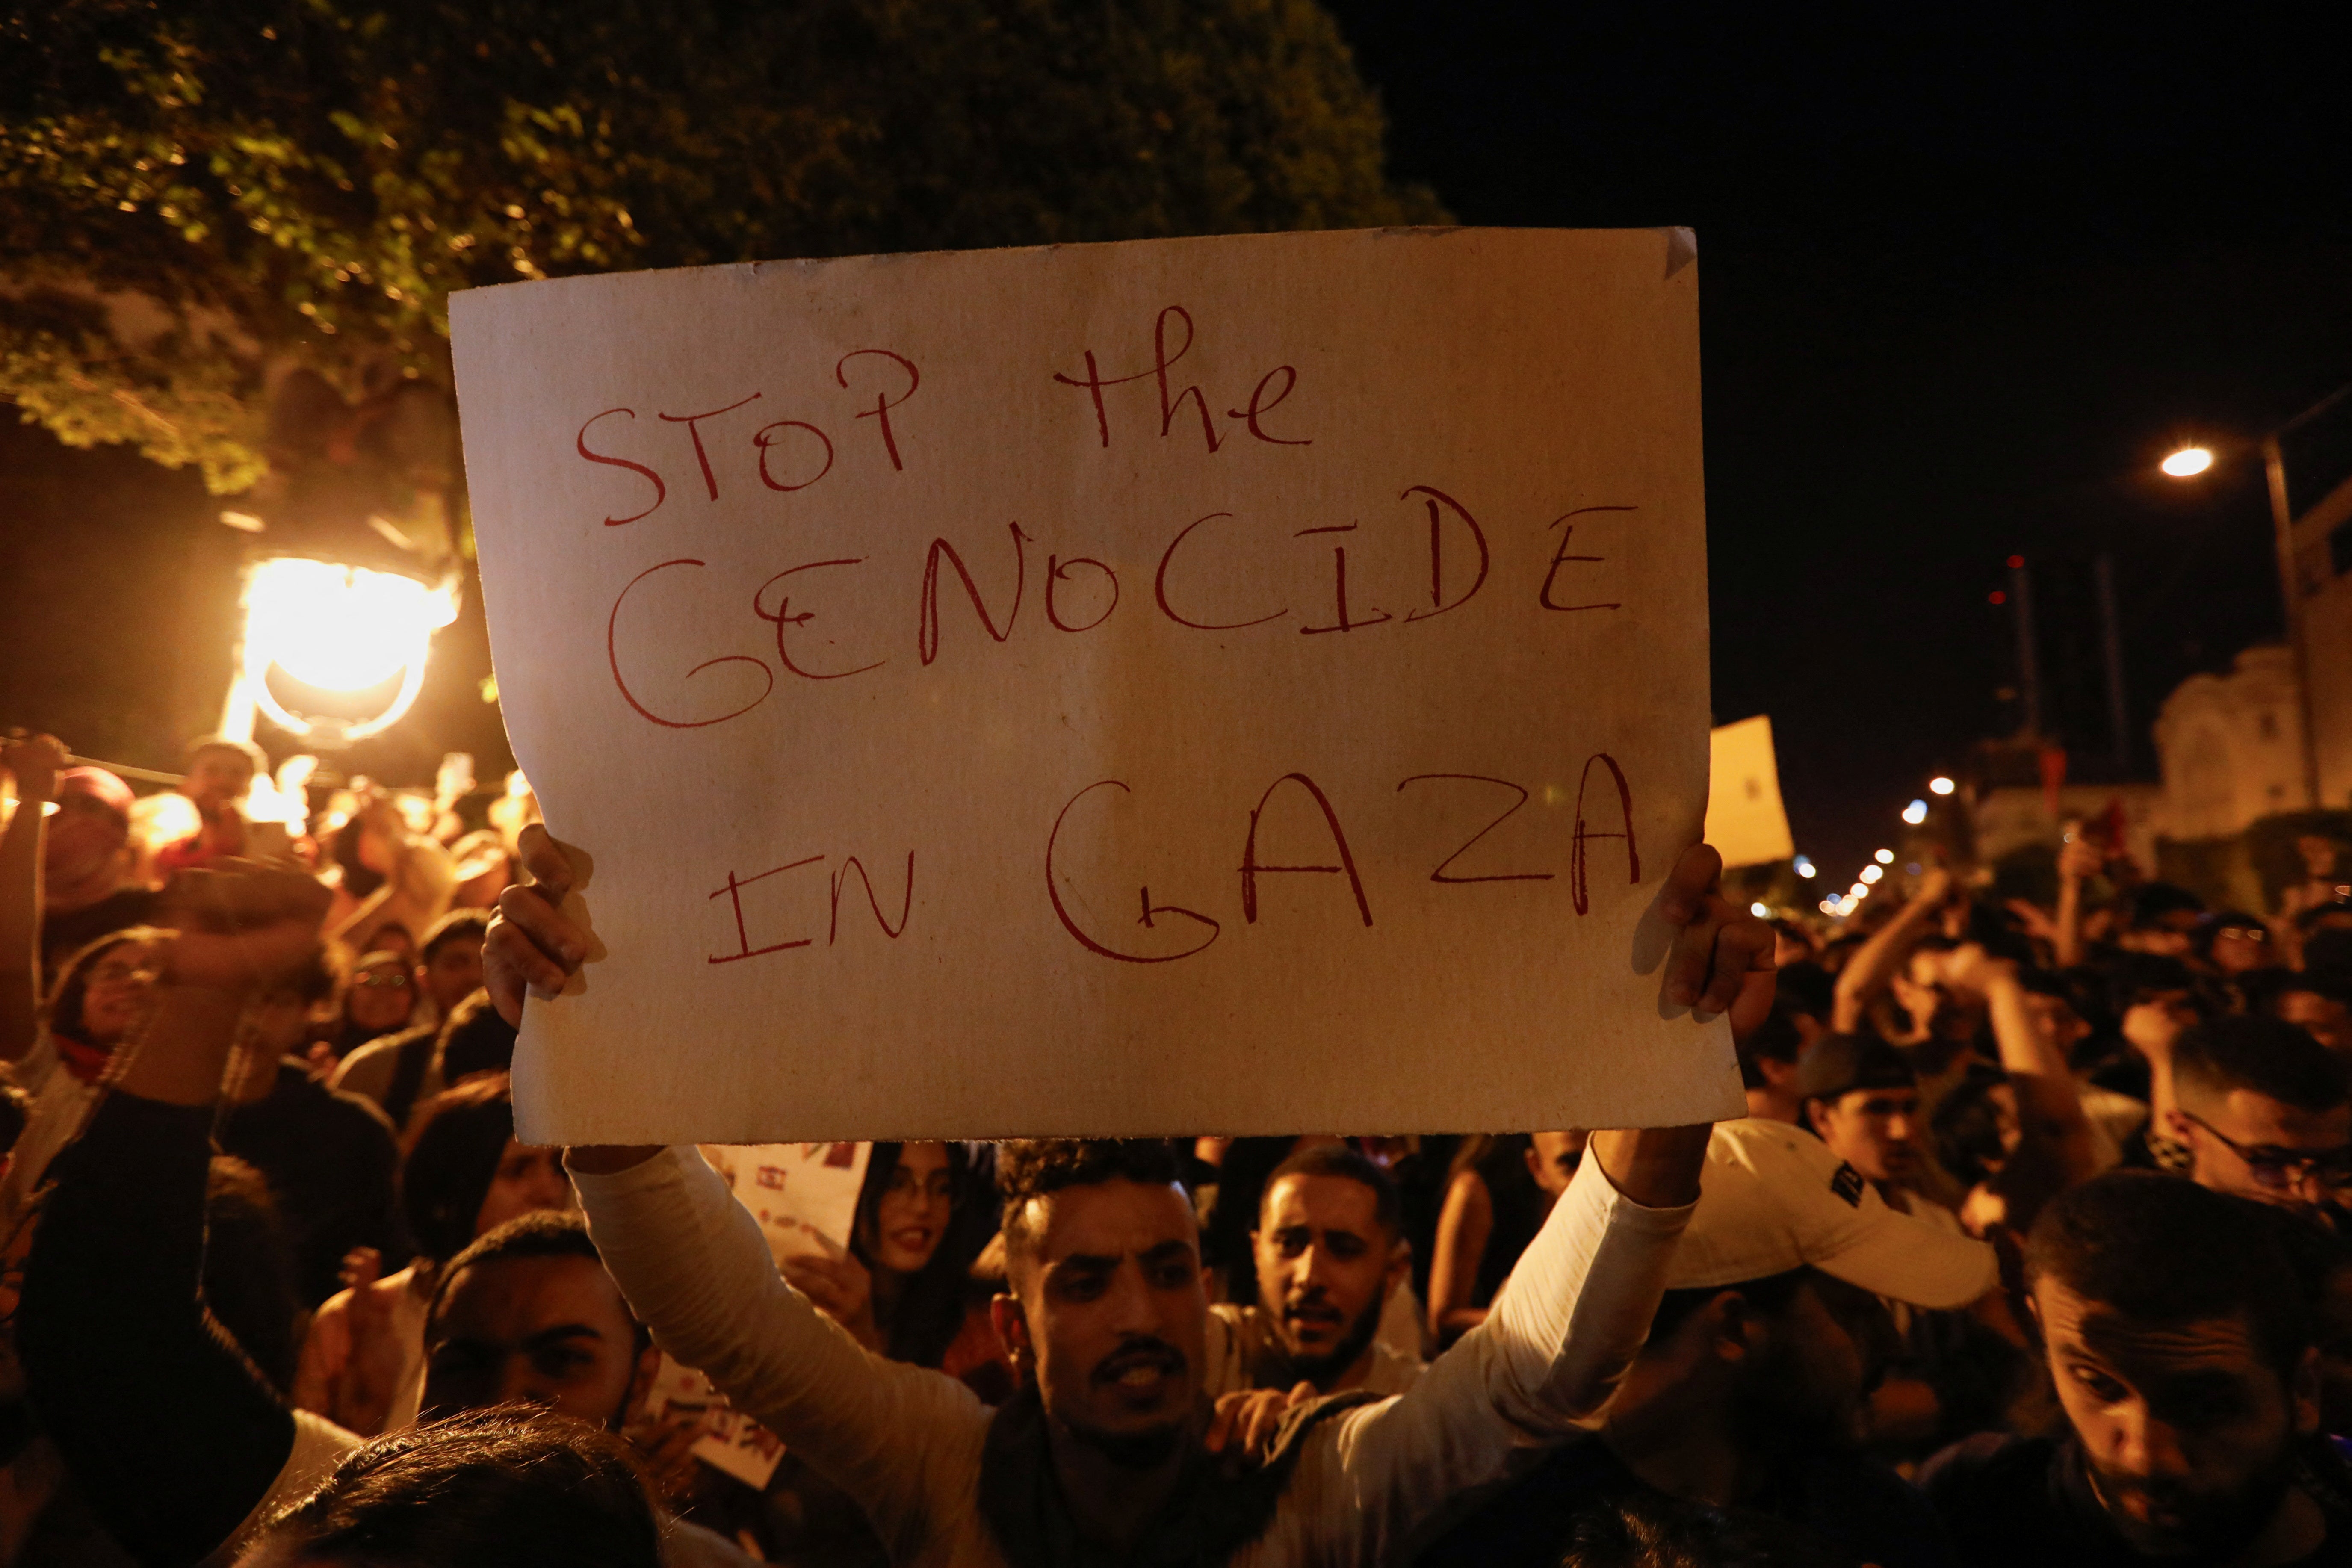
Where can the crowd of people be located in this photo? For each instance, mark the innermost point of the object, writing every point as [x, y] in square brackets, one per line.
[2032, 1249]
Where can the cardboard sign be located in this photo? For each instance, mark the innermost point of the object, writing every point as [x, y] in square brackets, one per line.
[1745, 819]
[1230, 685]
[731, 1442]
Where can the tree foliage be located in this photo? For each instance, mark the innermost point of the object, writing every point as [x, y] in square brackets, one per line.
[196, 195]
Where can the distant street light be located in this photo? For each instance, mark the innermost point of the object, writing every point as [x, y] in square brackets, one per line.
[2188, 462]
[1859, 891]
[1939, 786]
[1804, 867]
[1885, 856]
[1761, 910]
[1872, 873]
[1916, 813]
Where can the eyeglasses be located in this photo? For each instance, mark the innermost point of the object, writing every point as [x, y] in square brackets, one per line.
[394, 981]
[117, 973]
[2242, 933]
[2284, 1169]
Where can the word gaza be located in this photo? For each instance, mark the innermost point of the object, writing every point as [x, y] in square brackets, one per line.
[1195, 931]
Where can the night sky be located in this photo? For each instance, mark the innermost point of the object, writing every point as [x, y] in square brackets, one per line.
[1968, 272]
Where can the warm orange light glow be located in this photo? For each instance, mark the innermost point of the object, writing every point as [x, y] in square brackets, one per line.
[2188, 462]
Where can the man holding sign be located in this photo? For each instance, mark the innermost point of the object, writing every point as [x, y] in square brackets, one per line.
[1102, 1453]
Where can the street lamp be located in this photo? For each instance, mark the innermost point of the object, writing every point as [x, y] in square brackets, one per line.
[1940, 786]
[335, 628]
[2188, 462]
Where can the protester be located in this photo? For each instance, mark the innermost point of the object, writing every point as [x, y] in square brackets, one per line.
[378, 998]
[1330, 1249]
[399, 1070]
[87, 872]
[1492, 1210]
[386, 874]
[1749, 1389]
[1107, 1319]
[2181, 1346]
[220, 773]
[2265, 1110]
[1860, 1097]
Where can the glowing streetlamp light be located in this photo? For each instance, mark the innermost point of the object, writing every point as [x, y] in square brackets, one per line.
[335, 628]
[1804, 868]
[1916, 813]
[1940, 786]
[2188, 462]
[1885, 856]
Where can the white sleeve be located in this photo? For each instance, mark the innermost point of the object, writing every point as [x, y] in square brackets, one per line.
[1577, 1309]
[901, 1440]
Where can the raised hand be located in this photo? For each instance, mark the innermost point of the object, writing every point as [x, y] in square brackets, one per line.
[1722, 951]
[533, 949]
[34, 762]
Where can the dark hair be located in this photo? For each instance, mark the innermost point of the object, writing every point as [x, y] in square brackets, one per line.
[310, 981]
[456, 925]
[65, 1003]
[1348, 1164]
[2309, 919]
[1805, 986]
[249, 1271]
[1767, 1295]
[2151, 902]
[542, 1233]
[491, 1488]
[2137, 976]
[1643, 1529]
[1031, 1168]
[1966, 1128]
[931, 1311]
[1776, 1039]
[2328, 953]
[2159, 1249]
[453, 1156]
[360, 881]
[2266, 1056]
[15, 1110]
[476, 1040]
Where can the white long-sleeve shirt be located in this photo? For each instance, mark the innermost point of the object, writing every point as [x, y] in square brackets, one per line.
[906, 1442]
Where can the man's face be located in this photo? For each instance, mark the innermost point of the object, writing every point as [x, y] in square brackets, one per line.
[1873, 1130]
[1933, 1005]
[2056, 1018]
[2329, 1021]
[217, 777]
[381, 995]
[2189, 1434]
[82, 840]
[2238, 948]
[545, 1331]
[1325, 1264]
[1817, 1358]
[1112, 1309]
[2245, 1143]
[1552, 1159]
[454, 972]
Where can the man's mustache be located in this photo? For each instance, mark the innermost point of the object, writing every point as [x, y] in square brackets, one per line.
[1155, 1354]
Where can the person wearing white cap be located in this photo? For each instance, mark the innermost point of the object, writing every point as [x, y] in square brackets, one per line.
[1748, 1392]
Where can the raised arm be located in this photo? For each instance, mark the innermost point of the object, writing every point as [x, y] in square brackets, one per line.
[2078, 862]
[2058, 1146]
[1872, 968]
[33, 762]
[171, 1434]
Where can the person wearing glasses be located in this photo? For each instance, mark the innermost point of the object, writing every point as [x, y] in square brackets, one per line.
[2265, 1111]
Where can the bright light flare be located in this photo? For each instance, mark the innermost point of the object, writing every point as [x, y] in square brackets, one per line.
[1761, 910]
[1870, 874]
[1916, 813]
[1829, 906]
[339, 628]
[1804, 868]
[2187, 463]
[1859, 891]
[1885, 856]
[1940, 786]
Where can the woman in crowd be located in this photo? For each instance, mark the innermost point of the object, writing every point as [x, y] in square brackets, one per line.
[464, 1174]
[378, 999]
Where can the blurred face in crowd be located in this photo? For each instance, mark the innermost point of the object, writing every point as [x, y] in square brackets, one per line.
[2169, 935]
[454, 972]
[1111, 1314]
[1325, 1266]
[529, 1177]
[2056, 1018]
[543, 1331]
[114, 990]
[217, 777]
[2188, 1432]
[1797, 1372]
[1552, 1159]
[82, 849]
[1936, 1010]
[382, 994]
[906, 1226]
[1875, 1131]
[2238, 947]
[2257, 1147]
[2329, 1020]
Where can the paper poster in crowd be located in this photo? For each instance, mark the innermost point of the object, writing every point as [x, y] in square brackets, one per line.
[1228, 685]
[805, 1196]
[1745, 819]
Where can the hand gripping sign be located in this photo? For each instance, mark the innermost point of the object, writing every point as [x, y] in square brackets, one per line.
[1226, 685]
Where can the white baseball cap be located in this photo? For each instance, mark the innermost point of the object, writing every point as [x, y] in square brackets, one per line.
[1773, 1198]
